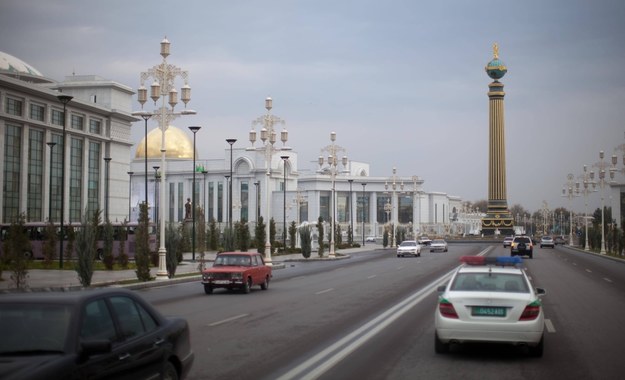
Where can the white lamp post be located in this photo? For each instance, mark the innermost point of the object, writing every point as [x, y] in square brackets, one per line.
[569, 193]
[602, 165]
[164, 76]
[394, 182]
[589, 186]
[333, 151]
[268, 137]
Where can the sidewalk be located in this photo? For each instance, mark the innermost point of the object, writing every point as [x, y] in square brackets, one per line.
[187, 271]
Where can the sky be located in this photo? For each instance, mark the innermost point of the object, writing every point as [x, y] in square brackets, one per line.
[401, 82]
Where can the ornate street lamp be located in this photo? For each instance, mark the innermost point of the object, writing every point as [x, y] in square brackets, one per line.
[268, 137]
[394, 182]
[333, 151]
[231, 142]
[63, 99]
[107, 161]
[193, 129]
[569, 192]
[601, 165]
[284, 159]
[146, 116]
[351, 216]
[363, 213]
[51, 145]
[164, 76]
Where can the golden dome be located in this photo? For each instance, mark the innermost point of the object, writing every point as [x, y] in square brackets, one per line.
[177, 144]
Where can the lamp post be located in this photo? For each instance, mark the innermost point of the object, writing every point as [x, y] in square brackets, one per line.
[284, 159]
[129, 193]
[164, 76]
[156, 205]
[268, 137]
[569, 193]
[394, 182]
[51, 145]
[351, 217]
[193, 129]
[107, 161]
[227, 177]
[204, 173]
[363, 212]
[601, 165]
[146, 116]
[231, 142]
[63, 99]
[333, 151]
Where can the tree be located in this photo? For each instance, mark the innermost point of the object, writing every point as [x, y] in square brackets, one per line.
[228, 240]
[385, 238]
[320, 237]
[292, 235]
[305, 240]
[272, 233]
[49, 247]
[259, 235]
[242, 235]
[142, 248]
[107, 257]
[214, 235]
[122, 257]
[350, 235]
[172, 245]
[16, 244]
[86, 247]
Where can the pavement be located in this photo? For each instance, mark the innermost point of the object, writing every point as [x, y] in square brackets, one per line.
[187, 271]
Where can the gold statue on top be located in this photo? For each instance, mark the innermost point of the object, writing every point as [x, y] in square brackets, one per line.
[496, 50]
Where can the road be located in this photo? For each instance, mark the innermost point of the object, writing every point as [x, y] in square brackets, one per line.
[371, 317]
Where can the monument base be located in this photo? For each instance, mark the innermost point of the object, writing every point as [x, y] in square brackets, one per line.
[497, 225]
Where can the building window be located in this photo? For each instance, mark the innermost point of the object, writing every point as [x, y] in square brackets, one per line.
[211, 201]
[180, 201]
[324, 206]
[37, 112]
[172, 199]
[220, 200]
[75, 180]
[57, 117]
[78, 122]
[342, 207]
[405, 209]
[93, 186]
[245, 203]
[362, 209]
[12, 170]
[13, 106]
[95, 126]
[303, 211]
[55, 177]
[35, 176]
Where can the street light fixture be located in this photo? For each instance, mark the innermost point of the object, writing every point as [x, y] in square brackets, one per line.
[193, 129]
[363, 212]
[164, 76]
[231, 142]
[51, 145]
[601, 165]
[268, 137]
[63, 99]
[107, 161]
[284, 159]
[332, 161]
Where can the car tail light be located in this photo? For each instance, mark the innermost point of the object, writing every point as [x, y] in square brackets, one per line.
[447, 309]
[531, 312]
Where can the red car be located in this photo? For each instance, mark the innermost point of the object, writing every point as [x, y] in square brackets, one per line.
[237, 270]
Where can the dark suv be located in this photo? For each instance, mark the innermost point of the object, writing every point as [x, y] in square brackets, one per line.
[522, 246]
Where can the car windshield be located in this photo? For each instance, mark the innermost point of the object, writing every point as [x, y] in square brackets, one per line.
[492, 282]
[232, 260]
[33, 329]
[438, 242]
[408, 244]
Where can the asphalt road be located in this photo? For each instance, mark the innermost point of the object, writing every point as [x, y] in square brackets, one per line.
[371, 317]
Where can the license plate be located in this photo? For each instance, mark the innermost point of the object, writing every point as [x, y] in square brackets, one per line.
[221, 282]
[487, 311]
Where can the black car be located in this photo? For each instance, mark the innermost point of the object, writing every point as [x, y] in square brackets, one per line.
[90, 334]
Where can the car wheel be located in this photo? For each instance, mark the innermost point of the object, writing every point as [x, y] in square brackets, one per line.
[537, 351]
[169, 372]
[248, 286]
[265, 284]
[100, 254]
[208, 289]
[28, 255]
[439, 346]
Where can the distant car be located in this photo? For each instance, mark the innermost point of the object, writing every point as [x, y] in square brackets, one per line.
[237, 270]
[424, 240]
[522, 246]
[409, 247]
[370, 239]
[507, 241]
[87, 334]
[489, 300]
[438, 245]
[559, 240]
[547, 241]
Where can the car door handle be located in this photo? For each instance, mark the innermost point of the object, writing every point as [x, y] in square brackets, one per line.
[159, 341]
[124, 356]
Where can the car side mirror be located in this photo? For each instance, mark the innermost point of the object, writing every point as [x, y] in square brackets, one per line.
[541, 291]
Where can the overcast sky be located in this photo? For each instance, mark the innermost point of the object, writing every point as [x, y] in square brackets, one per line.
[402, 83]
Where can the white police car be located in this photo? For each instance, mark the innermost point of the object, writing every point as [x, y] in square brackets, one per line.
[490, 299]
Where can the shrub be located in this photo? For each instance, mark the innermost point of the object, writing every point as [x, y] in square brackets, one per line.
[260, 236]
[16, 244]
[86, 248]
[49, 247]
[305, 241]
[320, 237]
[122, 258]
[142, 249]
[172, 245]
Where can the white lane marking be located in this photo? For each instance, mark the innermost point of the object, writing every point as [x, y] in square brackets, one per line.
[325, 291]
[588, 270]
[327, 358]
[227, 320]
[575, 264]
[608, 280]
[372, 276]
[549, 326]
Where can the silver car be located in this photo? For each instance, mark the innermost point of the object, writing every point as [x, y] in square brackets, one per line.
[409, 247]
[438, 245]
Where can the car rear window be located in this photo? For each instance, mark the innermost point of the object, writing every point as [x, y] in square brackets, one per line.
[522, 240]
[493, 282]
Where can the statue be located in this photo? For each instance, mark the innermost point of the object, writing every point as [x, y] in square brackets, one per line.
[187, 209]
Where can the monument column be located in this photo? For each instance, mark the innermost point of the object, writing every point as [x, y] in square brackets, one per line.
[498, 219]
